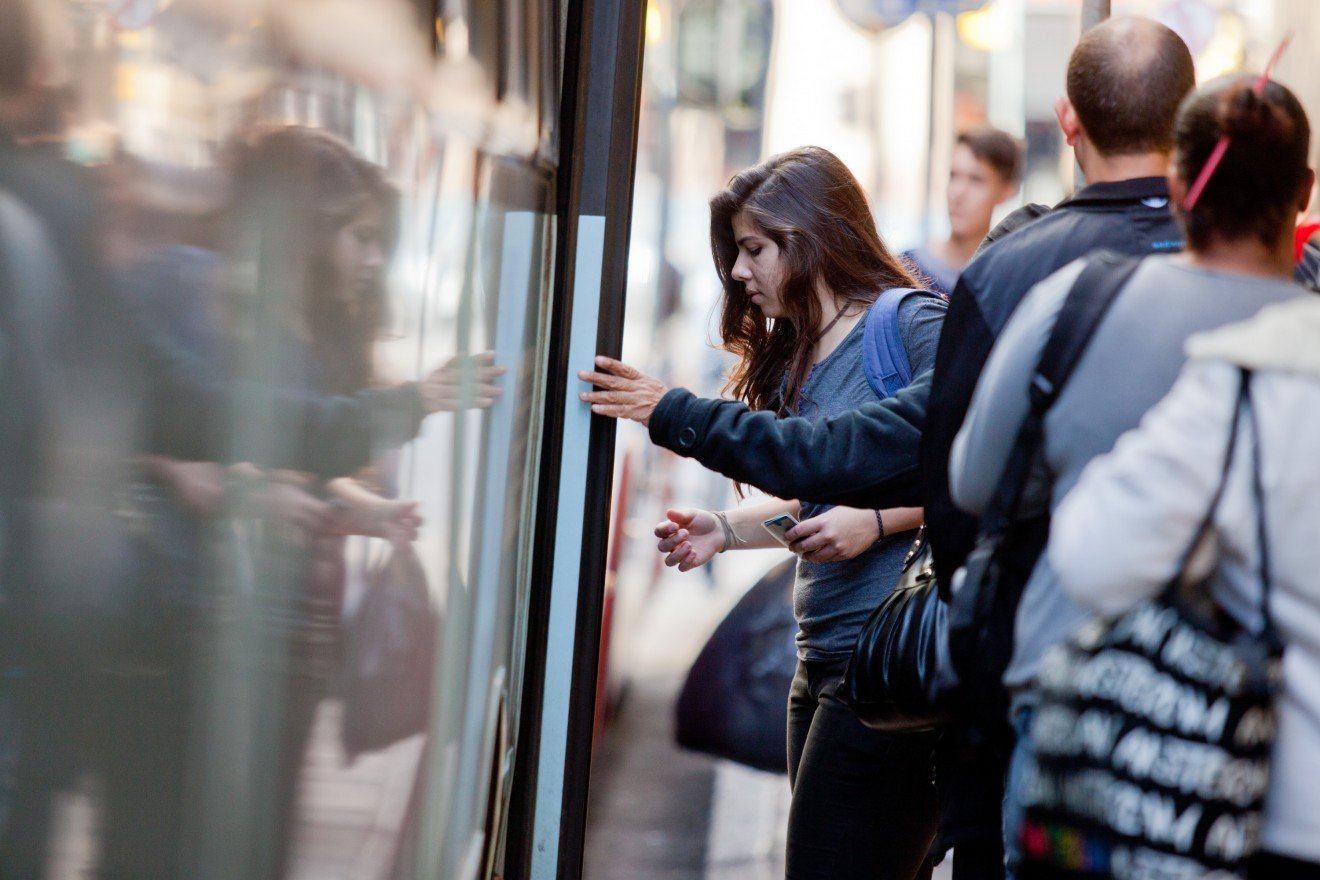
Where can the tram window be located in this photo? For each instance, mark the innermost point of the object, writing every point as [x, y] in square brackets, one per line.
[294, 232]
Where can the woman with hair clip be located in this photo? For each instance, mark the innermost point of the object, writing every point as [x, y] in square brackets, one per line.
[801, 262]
[1238, 222]
[1120, 535]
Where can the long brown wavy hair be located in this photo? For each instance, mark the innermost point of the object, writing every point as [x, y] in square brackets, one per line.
[294, 189]
[809, 204]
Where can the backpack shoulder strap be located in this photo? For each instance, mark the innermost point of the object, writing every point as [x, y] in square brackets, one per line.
[884, 354]
[1088, 300]
[1093, 292]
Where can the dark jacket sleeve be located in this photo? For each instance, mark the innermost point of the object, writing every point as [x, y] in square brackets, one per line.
[863, 458]
[192, 410]
[197, 415]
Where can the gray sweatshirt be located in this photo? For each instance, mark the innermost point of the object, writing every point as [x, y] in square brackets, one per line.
[1129, 366]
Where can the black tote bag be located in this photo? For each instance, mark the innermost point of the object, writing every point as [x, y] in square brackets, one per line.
[1152, 739]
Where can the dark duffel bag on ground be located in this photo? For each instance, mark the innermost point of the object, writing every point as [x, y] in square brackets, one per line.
[734, 704]
[898, 678]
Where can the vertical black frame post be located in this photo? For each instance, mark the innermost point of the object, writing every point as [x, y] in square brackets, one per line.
[1094, 12]
[598, 140]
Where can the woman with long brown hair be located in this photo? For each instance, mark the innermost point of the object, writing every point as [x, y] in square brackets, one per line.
[801, 263]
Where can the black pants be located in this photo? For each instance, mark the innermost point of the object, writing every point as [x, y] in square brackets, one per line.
[863, 802]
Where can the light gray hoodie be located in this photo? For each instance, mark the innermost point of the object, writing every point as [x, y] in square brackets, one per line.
[1119, 535]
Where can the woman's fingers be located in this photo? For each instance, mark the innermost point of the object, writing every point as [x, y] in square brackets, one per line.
[689, 563]
[680, 553]
[814, 548]
[613, 411]
[666, 528]
[604, 380]
[669, 542]
[804, 529]
[807, 545]
[619, 368]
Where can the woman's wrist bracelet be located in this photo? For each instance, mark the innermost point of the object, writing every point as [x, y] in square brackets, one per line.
[880, 526]
[730, 537]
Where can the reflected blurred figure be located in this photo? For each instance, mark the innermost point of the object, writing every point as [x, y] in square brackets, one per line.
[99, 653]
[984, 172]
[325, 221]
[309, 230]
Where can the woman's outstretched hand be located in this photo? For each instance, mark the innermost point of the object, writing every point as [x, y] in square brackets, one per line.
[462, 382]
[689, 538]
[627, 394]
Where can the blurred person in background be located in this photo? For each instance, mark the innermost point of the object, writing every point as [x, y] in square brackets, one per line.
[1239, 259]
[1125, 80]
[802, 265]
[984, 172]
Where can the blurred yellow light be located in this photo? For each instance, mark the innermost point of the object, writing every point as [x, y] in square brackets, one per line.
[126, 82]
[986, 29]
[655, 24]
[439, 30]
[1225, 52]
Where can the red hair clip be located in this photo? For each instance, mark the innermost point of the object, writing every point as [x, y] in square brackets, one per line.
[1217, 155]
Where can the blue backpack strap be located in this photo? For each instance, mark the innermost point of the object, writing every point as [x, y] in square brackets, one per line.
[884, 356]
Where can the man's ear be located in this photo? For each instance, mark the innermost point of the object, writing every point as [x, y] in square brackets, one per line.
[1068, 122]
[1177, 189]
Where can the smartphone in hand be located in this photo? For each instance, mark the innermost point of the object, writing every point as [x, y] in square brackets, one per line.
[778, 526]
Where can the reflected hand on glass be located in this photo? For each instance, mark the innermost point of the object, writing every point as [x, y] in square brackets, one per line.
[689, 537]
[397, 521]
[394, 519]
[291, 505]
[462, 382]
[628, 393]
[199, 486]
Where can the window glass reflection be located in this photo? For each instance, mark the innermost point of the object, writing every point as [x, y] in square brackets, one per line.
[274, 332]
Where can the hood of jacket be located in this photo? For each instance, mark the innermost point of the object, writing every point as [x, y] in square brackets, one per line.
[1284, 337]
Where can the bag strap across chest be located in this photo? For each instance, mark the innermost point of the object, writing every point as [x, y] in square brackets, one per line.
[1104, 277]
